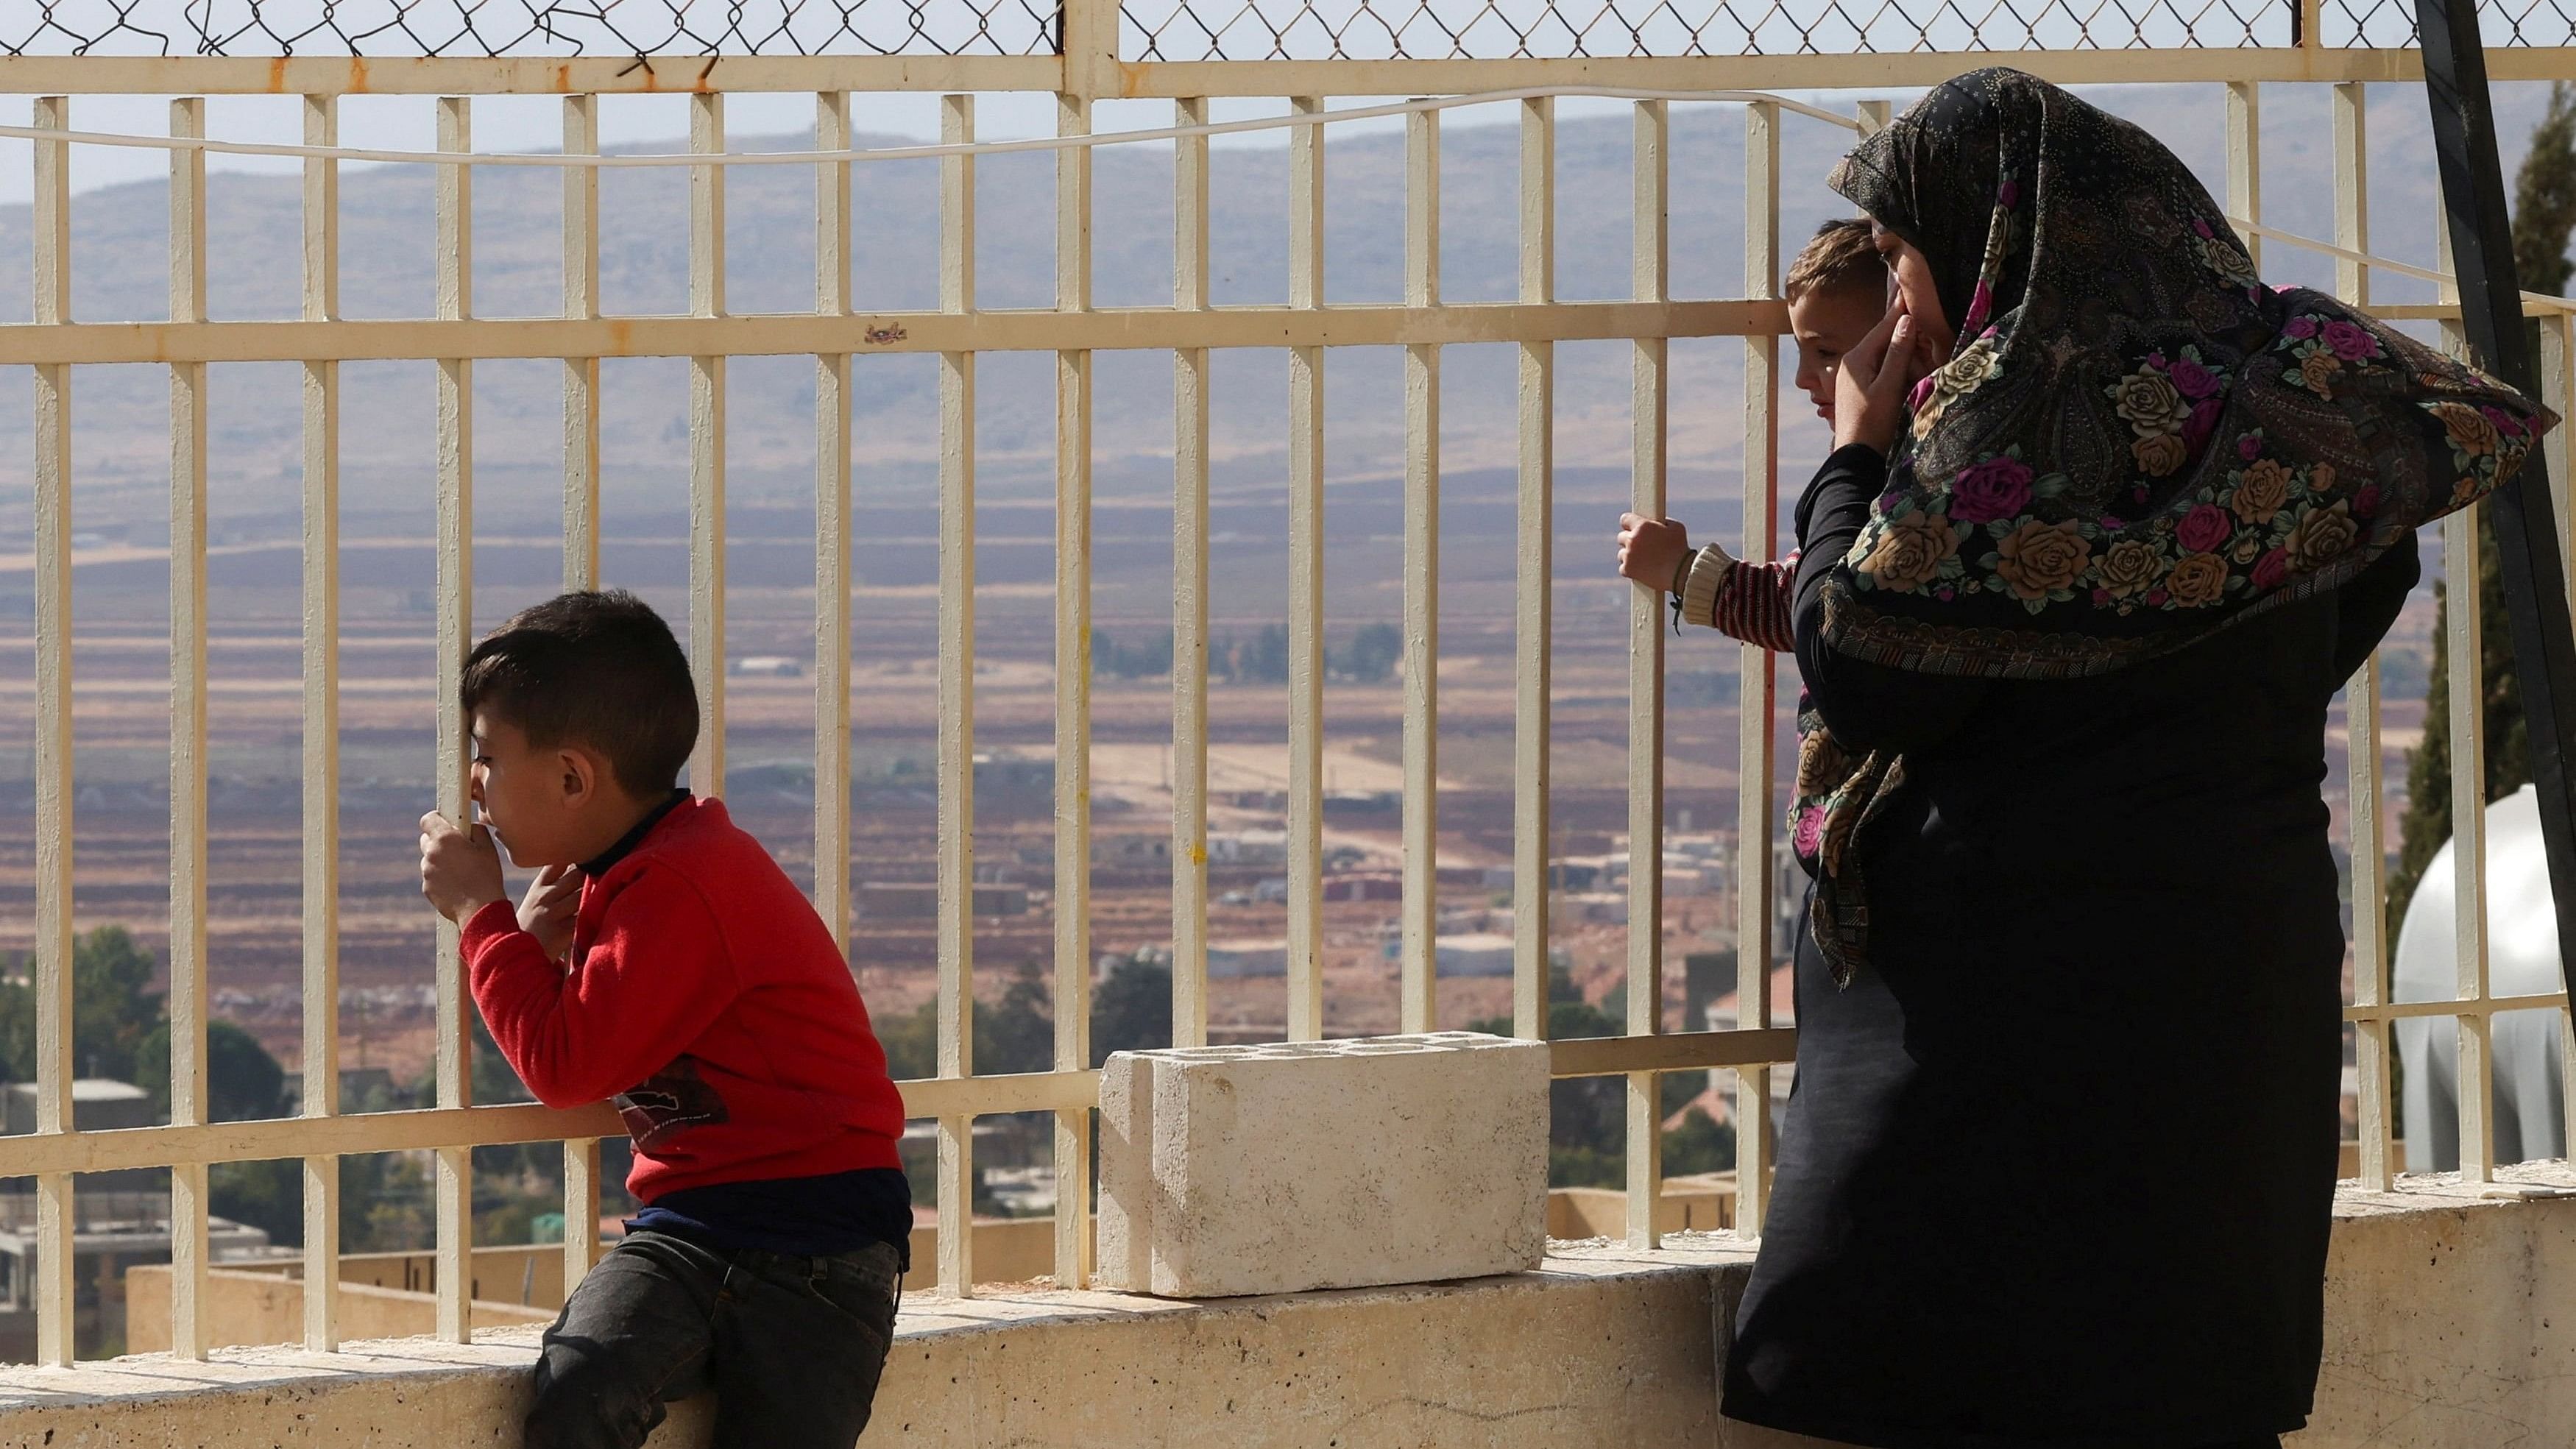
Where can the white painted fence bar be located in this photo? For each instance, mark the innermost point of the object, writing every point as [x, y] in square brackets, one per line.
[1167, 80]
[1072, 331]
[832, 243]
[581, 400]
[799, 333]
[2476, 1079]
[707, 447]
[1189, 587]
[2374, 1121]
[1306, 587]
[1651, 269]
[188, 780]
[321, 722]
[2374, 1116]
[956, 762]
[2245, 158]
[1755, 832]
[2351, 106]
[629, 160]
[1533, 583]
[581, 374]
[2465, 641]
[2404, 1010]
[1072, 999]
[453, 1200]
[1417, 996]
[53, 507]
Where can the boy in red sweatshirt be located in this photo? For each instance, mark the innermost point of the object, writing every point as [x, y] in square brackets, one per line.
[662, 959]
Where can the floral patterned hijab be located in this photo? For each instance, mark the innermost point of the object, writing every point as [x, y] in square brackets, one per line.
[2135, 443]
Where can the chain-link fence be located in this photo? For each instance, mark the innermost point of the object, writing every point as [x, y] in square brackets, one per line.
[1484, 29]
[644, 28]
[2391, 23]
[1202, 30]
[1196, 30]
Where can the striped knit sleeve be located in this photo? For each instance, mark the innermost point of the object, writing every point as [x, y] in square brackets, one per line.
[1743, 600]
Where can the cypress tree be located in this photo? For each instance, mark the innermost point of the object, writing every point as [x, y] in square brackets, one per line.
[2544, 212]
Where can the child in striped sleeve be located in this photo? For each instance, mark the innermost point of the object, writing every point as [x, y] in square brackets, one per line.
[1837, 291]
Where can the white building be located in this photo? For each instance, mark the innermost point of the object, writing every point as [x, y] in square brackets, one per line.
[1254, 957]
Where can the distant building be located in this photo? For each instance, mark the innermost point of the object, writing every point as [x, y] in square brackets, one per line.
[1479, 953]
[919, 900]
[1255, 848]
[1007, 774]
[1138, 852]
[1247, 958]
[118, 1219]
[1605, 908]
[98, 1104]
[769, 666]
[1364, 886]
[1343, 804]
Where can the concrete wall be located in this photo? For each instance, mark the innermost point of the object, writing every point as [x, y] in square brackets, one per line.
[388, 1295]
[2450, 1324]
[1704, 1203]
[253, 1307]
[2447, 1329]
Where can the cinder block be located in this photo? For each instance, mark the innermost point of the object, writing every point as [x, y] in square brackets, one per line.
[1332, 1164]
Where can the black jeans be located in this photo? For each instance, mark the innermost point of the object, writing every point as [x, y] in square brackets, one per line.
[791, 1345]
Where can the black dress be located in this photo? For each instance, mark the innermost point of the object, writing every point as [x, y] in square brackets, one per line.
[2059, 1165]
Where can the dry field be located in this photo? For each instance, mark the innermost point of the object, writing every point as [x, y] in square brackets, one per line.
[386, 701]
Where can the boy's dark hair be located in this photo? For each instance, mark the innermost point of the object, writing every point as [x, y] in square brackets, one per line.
[1842, 253]
[596, 669]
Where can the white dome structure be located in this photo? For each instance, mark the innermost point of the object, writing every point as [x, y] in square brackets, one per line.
[2522, 960]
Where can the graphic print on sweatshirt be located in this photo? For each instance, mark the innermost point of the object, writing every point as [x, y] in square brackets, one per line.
[668, 1103]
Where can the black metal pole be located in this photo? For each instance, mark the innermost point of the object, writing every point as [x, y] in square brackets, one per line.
[2526, 526]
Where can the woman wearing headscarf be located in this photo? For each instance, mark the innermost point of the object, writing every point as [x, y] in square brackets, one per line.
[2060, 1162]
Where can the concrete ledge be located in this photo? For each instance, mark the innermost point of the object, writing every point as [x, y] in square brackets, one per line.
[2448, 1327]
[1602, 1345]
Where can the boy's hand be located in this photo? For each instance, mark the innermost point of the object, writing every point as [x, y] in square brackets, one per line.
[1651, 550]
[548, 909]
[460, 870]
[1870, 385]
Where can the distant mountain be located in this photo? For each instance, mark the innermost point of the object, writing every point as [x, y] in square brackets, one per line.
[119, 238]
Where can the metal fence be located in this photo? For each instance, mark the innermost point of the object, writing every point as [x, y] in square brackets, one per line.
[1206, 30]
[957, 331]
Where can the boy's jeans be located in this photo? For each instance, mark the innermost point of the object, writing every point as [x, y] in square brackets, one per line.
[791, 1345]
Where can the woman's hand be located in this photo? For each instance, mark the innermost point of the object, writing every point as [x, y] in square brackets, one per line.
[1870, 386]
[1651, 550]
[547, 911]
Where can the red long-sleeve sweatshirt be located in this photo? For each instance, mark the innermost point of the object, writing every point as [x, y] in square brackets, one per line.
[708, 999]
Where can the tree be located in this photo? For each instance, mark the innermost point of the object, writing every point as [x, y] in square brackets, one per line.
[1372, 653]
[1262, 659]
[111, 1012]
[1587, 1116]
[1015, 1034]
[243, 1082]
[1148, 660]
[2544, 214]
[1131, 1009]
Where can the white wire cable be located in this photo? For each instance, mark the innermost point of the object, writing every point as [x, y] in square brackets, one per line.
[2402, 269]
[904, 153]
